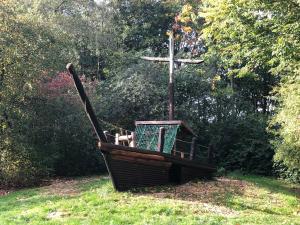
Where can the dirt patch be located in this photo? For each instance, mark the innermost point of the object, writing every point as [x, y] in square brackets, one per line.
[201, 191]
[57, 215]
[210, 195]
[66, 186]
[4, 192]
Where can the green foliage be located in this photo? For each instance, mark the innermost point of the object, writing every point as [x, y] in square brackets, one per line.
[67, 140]
[143, 24]
[134, 93]
[242, 144]
[254, 44]
[23, 42]
[286, 124]
[40, 135]
[287, 173]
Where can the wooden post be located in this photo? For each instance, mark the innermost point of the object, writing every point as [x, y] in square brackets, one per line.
[108, 138]
[105, 133]
[161, 139]
[117, 139]
[193, 146]
[133, 140]
[182, 155]
[171, 78]
[210, 152]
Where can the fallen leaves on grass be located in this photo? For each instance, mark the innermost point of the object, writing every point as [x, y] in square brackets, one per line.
[57, 215]
[66, 186]
[4, 192]
[204, 191]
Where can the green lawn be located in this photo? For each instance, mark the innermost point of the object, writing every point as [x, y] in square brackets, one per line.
[228, 200]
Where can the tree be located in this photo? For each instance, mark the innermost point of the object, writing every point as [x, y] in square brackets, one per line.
[285, 124]
[28, 50]
[255, 42]
[143, 24]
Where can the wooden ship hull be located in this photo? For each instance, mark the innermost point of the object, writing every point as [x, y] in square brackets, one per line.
[133, 168]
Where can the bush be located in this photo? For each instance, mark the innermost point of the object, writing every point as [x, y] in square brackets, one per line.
[242, 144]
[64, 131]
[50, 136]
[18, 168]
[282, 171]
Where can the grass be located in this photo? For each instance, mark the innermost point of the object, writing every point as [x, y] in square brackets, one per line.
[235, 200]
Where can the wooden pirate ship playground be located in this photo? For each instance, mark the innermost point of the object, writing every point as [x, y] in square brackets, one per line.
[157, 152]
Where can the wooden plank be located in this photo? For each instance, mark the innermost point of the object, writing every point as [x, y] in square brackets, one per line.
[159, 122]
[164, 59]
[125, 138]
[109, 148]
[142, 161]
[189, 61]
[137, 155]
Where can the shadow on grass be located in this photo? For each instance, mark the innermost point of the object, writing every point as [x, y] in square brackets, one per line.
[271, 184]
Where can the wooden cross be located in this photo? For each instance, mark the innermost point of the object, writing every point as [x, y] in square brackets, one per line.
[171, 61]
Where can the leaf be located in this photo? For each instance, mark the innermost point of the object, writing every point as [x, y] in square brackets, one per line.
[187, 29]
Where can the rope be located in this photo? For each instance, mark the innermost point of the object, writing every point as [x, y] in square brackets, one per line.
[110, 135]
[115, 126]
[191, 143]
[203, 146]
[183, 141]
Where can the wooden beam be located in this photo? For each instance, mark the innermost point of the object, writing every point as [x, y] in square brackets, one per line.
[161, 139]
[145, 161]
[189, 61]
[133, 140]
[117, 139]
[193, 146]
[108, 148]
[171, 77]
[86, 103]
[163, 59]
[210, 153]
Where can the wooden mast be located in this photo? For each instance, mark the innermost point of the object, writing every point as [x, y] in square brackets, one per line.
[171, 61]
[171, 77]
[86, 103]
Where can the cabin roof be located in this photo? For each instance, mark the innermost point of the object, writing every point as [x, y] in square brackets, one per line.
[181, 123]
